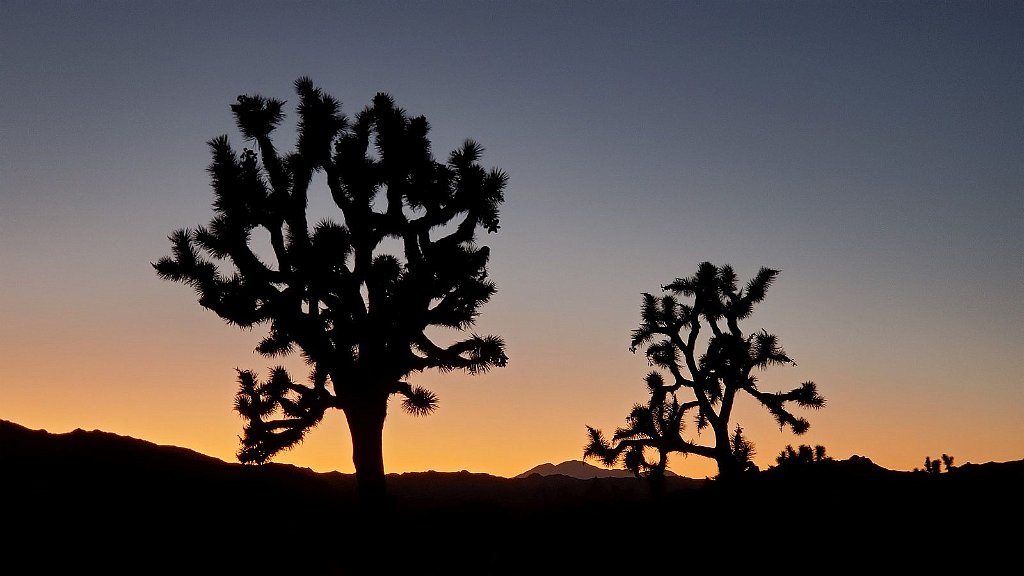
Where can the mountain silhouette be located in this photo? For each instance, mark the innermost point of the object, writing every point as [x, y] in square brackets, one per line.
[94, 501]
[579, 469]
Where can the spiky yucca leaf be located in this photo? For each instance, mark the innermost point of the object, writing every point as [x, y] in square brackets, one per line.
[634, 461]
[493, 195]
[807, 396]
[783, 416]
[641, 418]
[668, 309]
[279, 382]
[320, 122]
[757, 287]
[663, 354]
[257, 116]
[766, 351]
[628, 434]
[276, 343]
[649, 311]
[259, 444]
[486, 352]
[464, 157]
[251, 401]
[655, 381]
[642, 335]
[185, 264]
[216, 245]
[727, 279]
[598, 448]
[332, 245]
[799, 425]
[458, 307]
[420, 401]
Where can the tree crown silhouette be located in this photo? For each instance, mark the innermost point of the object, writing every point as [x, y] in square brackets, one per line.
[360, 294]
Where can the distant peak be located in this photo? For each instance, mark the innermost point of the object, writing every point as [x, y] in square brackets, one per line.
[575, 469]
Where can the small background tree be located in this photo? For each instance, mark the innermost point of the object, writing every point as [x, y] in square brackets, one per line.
[936, 465]
[363, 313]
[671, 332]
[804, 454]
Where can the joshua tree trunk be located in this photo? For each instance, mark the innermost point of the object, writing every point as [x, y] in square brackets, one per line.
[366, 425]
[657, 482]
[728, 468]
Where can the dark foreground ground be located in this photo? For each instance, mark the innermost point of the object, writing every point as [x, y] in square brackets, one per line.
[93, 502]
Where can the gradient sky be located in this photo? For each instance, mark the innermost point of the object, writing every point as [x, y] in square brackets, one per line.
[872, 151]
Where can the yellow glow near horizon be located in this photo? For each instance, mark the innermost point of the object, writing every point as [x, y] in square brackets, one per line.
[500, 423]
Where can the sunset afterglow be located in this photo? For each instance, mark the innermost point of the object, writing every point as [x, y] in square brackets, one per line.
[870, 151]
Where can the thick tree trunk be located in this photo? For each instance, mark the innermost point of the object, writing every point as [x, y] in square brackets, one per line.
[366, 425]
[656, 481]
[728, 468]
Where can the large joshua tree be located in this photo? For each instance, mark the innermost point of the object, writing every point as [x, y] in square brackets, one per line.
[671, 332]
[360, 294]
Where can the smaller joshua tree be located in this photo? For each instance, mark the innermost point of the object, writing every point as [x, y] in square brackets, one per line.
[670, 330]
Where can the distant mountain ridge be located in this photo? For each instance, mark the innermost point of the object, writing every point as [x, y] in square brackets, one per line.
[91, 501]
[578, 469]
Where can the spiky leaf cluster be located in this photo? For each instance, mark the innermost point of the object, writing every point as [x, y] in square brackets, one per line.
[653, 427]
[277, 412]
[356, 292]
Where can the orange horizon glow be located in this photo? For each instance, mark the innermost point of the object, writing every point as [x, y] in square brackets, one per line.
[501, 423]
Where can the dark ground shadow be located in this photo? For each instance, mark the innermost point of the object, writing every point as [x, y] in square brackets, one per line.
[90, 501]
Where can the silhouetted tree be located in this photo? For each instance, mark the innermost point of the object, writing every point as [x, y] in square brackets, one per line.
[935, 466]
[804, 454]
[336, 291]
[947, 462]
[819, 453]
[671, 332]
[743, 451]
